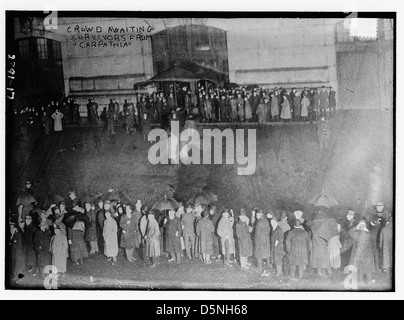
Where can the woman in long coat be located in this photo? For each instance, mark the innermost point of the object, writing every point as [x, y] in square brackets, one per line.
[305, 104]
[262, 248]
[225, 232]
[386, 245]
[205, 230]
[262, 112]
[296, 106]
[247, 109]
[152, 239]
[274, 108]
[129, 233]
[91, 231]
[110, 234]
[244, 242]
[17, 256]
[30, 256]
[286, 113]
[78, 247]
[173, 237]
[57, 117]
[298, 246]
[60, 250]
[278, 252]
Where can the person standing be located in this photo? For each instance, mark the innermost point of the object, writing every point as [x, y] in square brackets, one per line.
[296, 106]
[188, 226]
[240, 107]
[225, 232]
[243, 240]
[205, 230]
[173, 236]
[78, 248]
[136, 216]
[17, 256]
[247, 110]
[91, 231]
[278, 252]
[332, 102]
[298, 247]
[334, 250]
[362, 254]
[286, 113]
[274, 107]
[60, 250]
[146, 126]
[42, 239]
[323, 229]
[152, 239]
[305, 105]
[324, 132]
[386, 245]
[29, 231]
[111, 116]
[324, 102]
[130, 232]
[262, 248]
[110, 234]
[57, 117]
[262, 112]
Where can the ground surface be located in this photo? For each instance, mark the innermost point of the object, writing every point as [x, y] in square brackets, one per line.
[291, 169]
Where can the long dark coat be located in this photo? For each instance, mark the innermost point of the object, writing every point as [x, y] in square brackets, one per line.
[42, 242]
[78, 248]
[243, 236]
[386, 245]
[362, 252]
[29, 244]
[261, 239]
[91, 231]
[17, 253]
[205, 230]
[136, 215]
[173, 235]
[129, 233]
[298, 245]
[278, 252]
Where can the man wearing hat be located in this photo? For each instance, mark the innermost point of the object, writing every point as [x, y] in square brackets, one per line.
[262, 248]
[42, 241]
[324, 132]
[17, 257]
[324, 102]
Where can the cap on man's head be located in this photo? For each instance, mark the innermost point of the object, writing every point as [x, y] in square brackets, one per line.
[380, 203]
[351, 213]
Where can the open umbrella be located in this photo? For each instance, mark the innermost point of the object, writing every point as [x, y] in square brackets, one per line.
[166, 204]
[114, 195]
[25, 198]
[324, 200]
[252, 87]
[203, 197]
[52, 199]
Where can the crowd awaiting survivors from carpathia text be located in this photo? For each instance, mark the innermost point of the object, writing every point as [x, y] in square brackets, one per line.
[268, 242]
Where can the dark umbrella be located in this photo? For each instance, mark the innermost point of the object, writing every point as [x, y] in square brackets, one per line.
[52, 199]
[166, 204]
[324, 200]
[252, 86]
[25, 198]
[231, 85]
[119, 196]
[203, 197]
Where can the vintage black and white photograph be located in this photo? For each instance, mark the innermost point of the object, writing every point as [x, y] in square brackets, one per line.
[222, 151]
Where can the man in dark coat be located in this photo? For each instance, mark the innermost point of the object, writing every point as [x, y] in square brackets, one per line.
[205, 230]
[173, 237]
[29, 231]
[298, 246]
[324, 102]
[130, 230]
[17, 256]
[112, 116]
[262, 248]
[332, 102]
[277, 250]
[188, 223]
[42, 241]
[244, 243]
[89, 111]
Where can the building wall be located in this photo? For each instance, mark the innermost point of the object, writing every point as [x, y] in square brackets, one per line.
[283, 53]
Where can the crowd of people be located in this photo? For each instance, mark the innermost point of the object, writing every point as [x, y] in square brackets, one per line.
[213, 104]
[288, 243]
